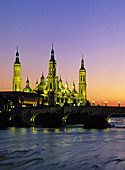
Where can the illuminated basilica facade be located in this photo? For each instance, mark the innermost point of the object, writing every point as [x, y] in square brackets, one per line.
[51, 89]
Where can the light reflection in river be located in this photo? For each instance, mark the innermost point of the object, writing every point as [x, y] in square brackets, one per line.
[72, 147]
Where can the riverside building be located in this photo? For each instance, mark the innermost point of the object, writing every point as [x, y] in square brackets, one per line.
[51, 89]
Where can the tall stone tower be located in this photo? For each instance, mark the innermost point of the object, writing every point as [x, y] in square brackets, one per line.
[82, 83]
[52, 78]
[17, 80]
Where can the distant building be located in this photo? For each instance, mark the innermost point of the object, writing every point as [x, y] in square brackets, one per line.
[17, 80]
[51, 89]
[82, 83]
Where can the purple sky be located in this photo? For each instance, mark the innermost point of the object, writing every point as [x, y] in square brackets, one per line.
[93, 28]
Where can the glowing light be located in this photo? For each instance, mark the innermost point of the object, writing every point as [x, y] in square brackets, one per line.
[118, 104]
[45, 130]
[11, 117]
[34, 130]
[33, 117]
[109, 120]
[106, 103]
[13, 128]
[23, 130]
[46, 104]
[23, 105]
[64, 118]
[57, 130]
[93, 103]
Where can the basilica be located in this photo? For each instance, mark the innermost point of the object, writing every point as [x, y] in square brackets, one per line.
[51, 89]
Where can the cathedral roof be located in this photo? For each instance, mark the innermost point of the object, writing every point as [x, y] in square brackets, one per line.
[74, 91]
[27, 89]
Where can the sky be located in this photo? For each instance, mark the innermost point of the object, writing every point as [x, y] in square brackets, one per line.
[93, 28]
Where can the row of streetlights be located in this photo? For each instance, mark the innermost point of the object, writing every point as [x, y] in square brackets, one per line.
[105, 104]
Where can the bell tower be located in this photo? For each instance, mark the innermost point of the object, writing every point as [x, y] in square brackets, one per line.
[52, 78]
[17, 80]
[82, 83]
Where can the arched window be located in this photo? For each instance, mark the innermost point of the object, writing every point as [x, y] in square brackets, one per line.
[81, 91]
[61, 100]
[57, 99]
[81, 77]
[50, 85]
[15, 86]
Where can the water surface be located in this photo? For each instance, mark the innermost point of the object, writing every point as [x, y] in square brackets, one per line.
[67, 148]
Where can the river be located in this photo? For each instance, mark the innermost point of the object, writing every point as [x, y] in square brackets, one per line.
[69, 148]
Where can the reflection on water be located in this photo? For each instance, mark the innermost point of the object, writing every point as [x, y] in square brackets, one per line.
[117, 121]
[72, 147]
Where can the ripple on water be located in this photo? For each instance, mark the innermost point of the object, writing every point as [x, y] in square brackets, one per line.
[115, 164]
[74, 149]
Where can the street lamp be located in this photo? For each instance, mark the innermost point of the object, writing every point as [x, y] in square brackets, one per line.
[106, 103]
[93, 103]
[118, 104]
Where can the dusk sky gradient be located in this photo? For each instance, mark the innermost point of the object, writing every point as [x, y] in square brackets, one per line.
[94, 28]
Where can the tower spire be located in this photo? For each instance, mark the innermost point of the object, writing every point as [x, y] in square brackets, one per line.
[52, 54]
[52, 51]
[42, 74]
[17, 79]
[17, 53]
[82, 84]
[27, 79]
[82, 63]
[60, 78]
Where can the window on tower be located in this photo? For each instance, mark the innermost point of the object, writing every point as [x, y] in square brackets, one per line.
[17, 72]
[81, 91]
[81, 77]
[50, 86]
[61, 100]
[15, 86]
[57, 99]
[66, 100]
